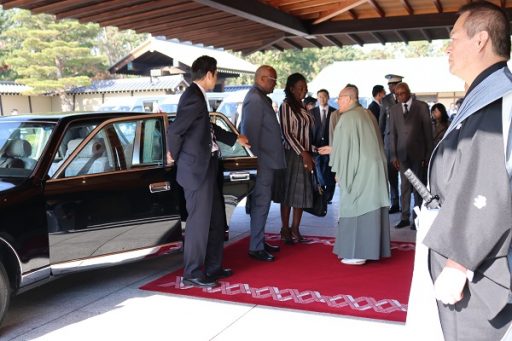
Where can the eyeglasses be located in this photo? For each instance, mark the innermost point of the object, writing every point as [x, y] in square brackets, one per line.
[341, 96]
[271, 78]
[401, 93]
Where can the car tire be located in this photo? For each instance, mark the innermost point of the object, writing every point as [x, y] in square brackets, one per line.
[5, 292]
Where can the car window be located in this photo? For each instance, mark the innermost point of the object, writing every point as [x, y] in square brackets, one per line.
[117, 146]
[91, 159]
[237, 150]
[22, 145]
[76, 132]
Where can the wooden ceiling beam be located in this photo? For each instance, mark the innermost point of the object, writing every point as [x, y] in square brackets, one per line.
[348, 5]
[241, 43]
[314, 42]
[277, 47]
[292, 43]
[402, 37]
[377, 8]
[153, 14]
[116, 7]
[177, 22]
[425, 34]
[57, 6]
[218, 35]
[333, 40]
[386, 24]
[379, 37]
[20, 3]
[298, 6]
[263, 46]
[177, 19]
[202, 27]
[355, 39]
[438, 5]
[260, 13]
[407, 7]
[352, 14]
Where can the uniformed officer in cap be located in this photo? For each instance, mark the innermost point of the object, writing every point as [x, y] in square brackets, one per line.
[388, 101]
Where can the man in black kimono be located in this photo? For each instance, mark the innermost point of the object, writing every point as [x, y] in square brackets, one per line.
[469, 240]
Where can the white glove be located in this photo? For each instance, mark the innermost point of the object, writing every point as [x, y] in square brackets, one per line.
[449, 285]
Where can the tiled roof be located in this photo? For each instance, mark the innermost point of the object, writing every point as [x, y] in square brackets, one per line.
[11, 88]
[133, 84]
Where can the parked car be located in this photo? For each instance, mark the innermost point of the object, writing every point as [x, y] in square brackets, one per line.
[232, 103]
[86, 190]
[133, 104]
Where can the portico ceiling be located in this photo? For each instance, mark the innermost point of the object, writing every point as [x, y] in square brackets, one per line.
[253, 25]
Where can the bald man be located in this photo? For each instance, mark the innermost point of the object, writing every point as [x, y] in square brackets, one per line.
[259, 123]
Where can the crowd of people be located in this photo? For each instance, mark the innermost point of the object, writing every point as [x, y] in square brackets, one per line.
[462, 280]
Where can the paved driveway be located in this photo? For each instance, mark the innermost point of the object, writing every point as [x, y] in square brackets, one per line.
[107, 305]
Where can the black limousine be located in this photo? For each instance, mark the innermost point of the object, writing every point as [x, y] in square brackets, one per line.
[87, 190]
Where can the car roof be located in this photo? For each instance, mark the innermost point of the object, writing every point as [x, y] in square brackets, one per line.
[58, 116]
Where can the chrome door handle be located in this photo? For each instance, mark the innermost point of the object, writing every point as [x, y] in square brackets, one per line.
[238, 176]
[160, 187]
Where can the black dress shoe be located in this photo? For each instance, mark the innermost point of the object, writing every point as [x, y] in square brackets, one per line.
[394, 209]
[402, 223]
[223, 273]
[200, 282]
[271, 248]
[413, 227]
[261, 255]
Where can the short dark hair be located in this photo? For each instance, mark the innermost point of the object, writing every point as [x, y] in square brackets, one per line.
[324, 91]
[377, 89]
[309, 99]
[442, 110]
[486, 16]
[202, 65]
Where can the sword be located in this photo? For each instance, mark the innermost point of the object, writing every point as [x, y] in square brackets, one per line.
[430, 200]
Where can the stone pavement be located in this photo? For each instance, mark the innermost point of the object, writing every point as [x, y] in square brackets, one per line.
[106, 304]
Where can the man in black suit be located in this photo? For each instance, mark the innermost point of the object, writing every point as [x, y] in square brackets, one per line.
[411, 144]
[192, 144]
[259, 123]
[322, 115]
[378, 94]
[384, 124]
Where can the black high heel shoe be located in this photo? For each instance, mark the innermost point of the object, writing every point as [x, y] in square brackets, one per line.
[298, 238]
[286, 235]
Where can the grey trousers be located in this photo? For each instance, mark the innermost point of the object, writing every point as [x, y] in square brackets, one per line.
[260, 206]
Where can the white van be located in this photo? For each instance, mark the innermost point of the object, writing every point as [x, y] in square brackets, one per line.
[230, 105]
[135, 104]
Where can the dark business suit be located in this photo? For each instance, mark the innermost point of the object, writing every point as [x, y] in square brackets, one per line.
[411, 143]
[388, 101]
[259, 123]
[190, 144]
[320, 139]
[374, 107]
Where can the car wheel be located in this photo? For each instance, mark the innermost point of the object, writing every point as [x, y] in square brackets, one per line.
[5, 292]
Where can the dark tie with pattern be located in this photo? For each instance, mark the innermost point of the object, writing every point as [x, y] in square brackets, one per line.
[406, 110]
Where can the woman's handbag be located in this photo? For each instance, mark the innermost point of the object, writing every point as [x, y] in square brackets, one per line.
[320, 198]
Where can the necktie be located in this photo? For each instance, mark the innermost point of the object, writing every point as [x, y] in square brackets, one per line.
[322, 116]
[406, 110]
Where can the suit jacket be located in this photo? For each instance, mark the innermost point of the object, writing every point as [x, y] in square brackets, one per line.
[387, 102]
[321, 132]
[259, 123]
[410, 134]
[189, 138]
[374, 107]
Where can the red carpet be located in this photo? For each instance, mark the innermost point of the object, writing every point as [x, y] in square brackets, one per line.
[310, 277]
